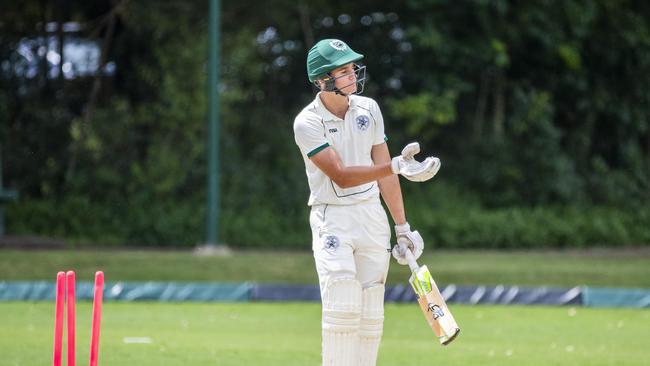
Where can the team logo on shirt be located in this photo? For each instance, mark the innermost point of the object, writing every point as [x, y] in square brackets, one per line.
[363, 122]
[331, 243]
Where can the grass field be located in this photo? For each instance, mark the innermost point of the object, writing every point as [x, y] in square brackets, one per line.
[594, 268]
[289, 334]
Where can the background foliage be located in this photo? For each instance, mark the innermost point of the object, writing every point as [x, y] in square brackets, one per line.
[538, 110]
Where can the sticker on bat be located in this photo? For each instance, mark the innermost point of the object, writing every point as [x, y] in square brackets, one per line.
[436, 311]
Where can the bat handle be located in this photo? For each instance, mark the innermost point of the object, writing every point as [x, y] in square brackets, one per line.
[410, 259]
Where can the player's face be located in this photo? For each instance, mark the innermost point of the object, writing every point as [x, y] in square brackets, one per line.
[346, 78]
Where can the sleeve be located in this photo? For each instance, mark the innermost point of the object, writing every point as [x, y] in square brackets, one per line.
[309, 135]
[380, 136]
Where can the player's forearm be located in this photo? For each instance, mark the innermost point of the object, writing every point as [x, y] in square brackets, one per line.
[351, 176]
[392, 195]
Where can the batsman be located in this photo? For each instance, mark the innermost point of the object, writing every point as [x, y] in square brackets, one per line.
[341, 138]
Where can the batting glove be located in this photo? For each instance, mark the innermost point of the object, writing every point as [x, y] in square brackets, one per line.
[412, 239]
[412, 169]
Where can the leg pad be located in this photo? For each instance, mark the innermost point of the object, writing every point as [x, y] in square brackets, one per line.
[372, 324]
[342, 301]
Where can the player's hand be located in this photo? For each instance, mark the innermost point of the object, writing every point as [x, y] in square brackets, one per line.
[407, 239]
[412, 169]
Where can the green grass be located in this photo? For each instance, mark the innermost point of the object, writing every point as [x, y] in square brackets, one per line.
[556, 268]
[289, 334]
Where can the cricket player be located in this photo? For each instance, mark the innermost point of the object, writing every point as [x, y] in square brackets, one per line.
[341, 138]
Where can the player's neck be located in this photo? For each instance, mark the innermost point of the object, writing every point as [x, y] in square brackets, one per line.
[335, 103]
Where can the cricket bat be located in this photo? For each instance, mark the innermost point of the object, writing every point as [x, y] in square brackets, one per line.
[431, 302]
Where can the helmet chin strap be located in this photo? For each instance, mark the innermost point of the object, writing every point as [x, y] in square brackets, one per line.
[330, 86]
[330, 83]
[340, 92]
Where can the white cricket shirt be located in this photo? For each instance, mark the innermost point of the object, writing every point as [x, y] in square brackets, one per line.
[316, 128]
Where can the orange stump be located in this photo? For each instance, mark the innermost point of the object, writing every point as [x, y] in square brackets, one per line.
[58, 318]
[97, 318]
[70, 298]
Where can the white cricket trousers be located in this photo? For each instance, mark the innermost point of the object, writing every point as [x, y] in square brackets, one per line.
[351, 241]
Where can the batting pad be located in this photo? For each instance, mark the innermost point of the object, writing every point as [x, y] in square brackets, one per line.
[372, 325]
[341, 319]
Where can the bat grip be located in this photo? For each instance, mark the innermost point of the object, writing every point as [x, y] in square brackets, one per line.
[410, 259]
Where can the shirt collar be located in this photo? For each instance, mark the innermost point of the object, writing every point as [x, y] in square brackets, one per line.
[327, 115]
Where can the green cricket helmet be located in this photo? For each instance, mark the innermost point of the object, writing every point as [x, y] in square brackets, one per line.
[328, 55]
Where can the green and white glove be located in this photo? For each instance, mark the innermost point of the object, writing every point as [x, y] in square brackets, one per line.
[411, 240]
[412, 169]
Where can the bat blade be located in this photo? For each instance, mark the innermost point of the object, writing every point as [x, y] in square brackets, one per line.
[433, 306]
